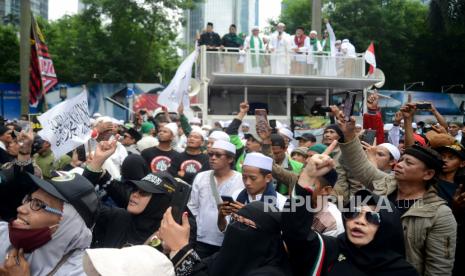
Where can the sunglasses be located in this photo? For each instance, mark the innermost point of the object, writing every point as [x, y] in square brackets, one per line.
[371, 216]
[216, 154]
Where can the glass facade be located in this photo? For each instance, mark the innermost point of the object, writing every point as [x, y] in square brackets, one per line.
[10, 10]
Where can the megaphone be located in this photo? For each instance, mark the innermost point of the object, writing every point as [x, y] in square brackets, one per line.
[194, 87]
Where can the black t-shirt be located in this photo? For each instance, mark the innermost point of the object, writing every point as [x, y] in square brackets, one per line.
[402, 205]
[188, 166]
[159, 160]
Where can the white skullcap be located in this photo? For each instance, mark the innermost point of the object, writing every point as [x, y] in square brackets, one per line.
[313, 32]
[140, 260]
[392, 149]
[104, 119]
[146, 142]
[219, 135]
[198, 130]
[414, 125]
[345, 40]
[338, 41]
[286, 132]
[255, 28]
[220, 144]
[281, 24]
[244, 124]
[358, 125]
[173, 127]
[207, 127]
[96, 115]
[227, 123]
[195, 120]
[258, 160]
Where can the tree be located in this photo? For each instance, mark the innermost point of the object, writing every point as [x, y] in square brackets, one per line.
[395, 27]
[9, 59]
[117, 41]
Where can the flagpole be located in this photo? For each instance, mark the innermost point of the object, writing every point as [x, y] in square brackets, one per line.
[25, 52]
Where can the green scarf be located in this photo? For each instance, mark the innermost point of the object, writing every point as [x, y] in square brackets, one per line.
[314, 43]
[256, 60]
[326, 45]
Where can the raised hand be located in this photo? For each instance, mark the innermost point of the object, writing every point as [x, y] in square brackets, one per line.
[347, 127]
[173, 235]
[408, 111]
[372, 100]
[15, 264]
[103, 151]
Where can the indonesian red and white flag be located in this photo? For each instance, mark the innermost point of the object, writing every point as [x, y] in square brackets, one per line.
[370, 58]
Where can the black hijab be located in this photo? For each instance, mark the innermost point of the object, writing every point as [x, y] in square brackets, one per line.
[134, 167]
[385, 255]
[252, 251]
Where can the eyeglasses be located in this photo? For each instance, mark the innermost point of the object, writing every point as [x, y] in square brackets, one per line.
[216, 154]
[140, 192]
[37, 205]
[371, 216]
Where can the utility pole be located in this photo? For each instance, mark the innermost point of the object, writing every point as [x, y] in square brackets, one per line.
[25, 53]
[316, 16]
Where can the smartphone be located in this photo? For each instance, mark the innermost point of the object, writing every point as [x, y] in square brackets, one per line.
[180, 199]
[349, 104]
[273, 124]
[81, 153]
[227, 199]
[25, 125]
[369, 136]
[261, 119]
[423, 106]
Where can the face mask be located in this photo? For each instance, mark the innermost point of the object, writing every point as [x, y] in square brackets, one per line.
[29, 239]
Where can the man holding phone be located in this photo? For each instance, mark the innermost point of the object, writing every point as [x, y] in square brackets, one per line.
[256, 175]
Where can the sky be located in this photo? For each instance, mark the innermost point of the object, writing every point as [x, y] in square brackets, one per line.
[58, 8]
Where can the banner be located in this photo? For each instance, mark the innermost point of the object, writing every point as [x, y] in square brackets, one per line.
[42, 75]
[67, 125]
[178, 89]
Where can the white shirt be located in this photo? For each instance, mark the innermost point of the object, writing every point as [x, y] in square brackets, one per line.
[280, 199]
[203, 205]
[458, 137]
[280, 45]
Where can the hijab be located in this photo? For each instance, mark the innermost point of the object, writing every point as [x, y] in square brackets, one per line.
[246, 250]
[134, 167]
[124, 229]
[385, 254]
[72, 234]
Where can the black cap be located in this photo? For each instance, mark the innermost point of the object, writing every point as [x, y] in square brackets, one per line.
[134, 134]
[157, 183]
[307, 137]
[430, 157]
[74, 189]
[210, 24]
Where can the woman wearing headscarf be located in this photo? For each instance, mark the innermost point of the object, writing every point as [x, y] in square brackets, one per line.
[373, 243]
[52, 228]
[252, 245]
[142, 199]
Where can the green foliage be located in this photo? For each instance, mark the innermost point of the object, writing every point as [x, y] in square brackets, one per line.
[116, 41]
[9, 54]
[413, 41]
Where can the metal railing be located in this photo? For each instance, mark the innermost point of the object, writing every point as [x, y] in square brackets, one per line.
[315, 64]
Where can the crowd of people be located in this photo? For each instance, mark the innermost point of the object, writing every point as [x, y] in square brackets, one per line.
[281, 52]
[165, 195]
